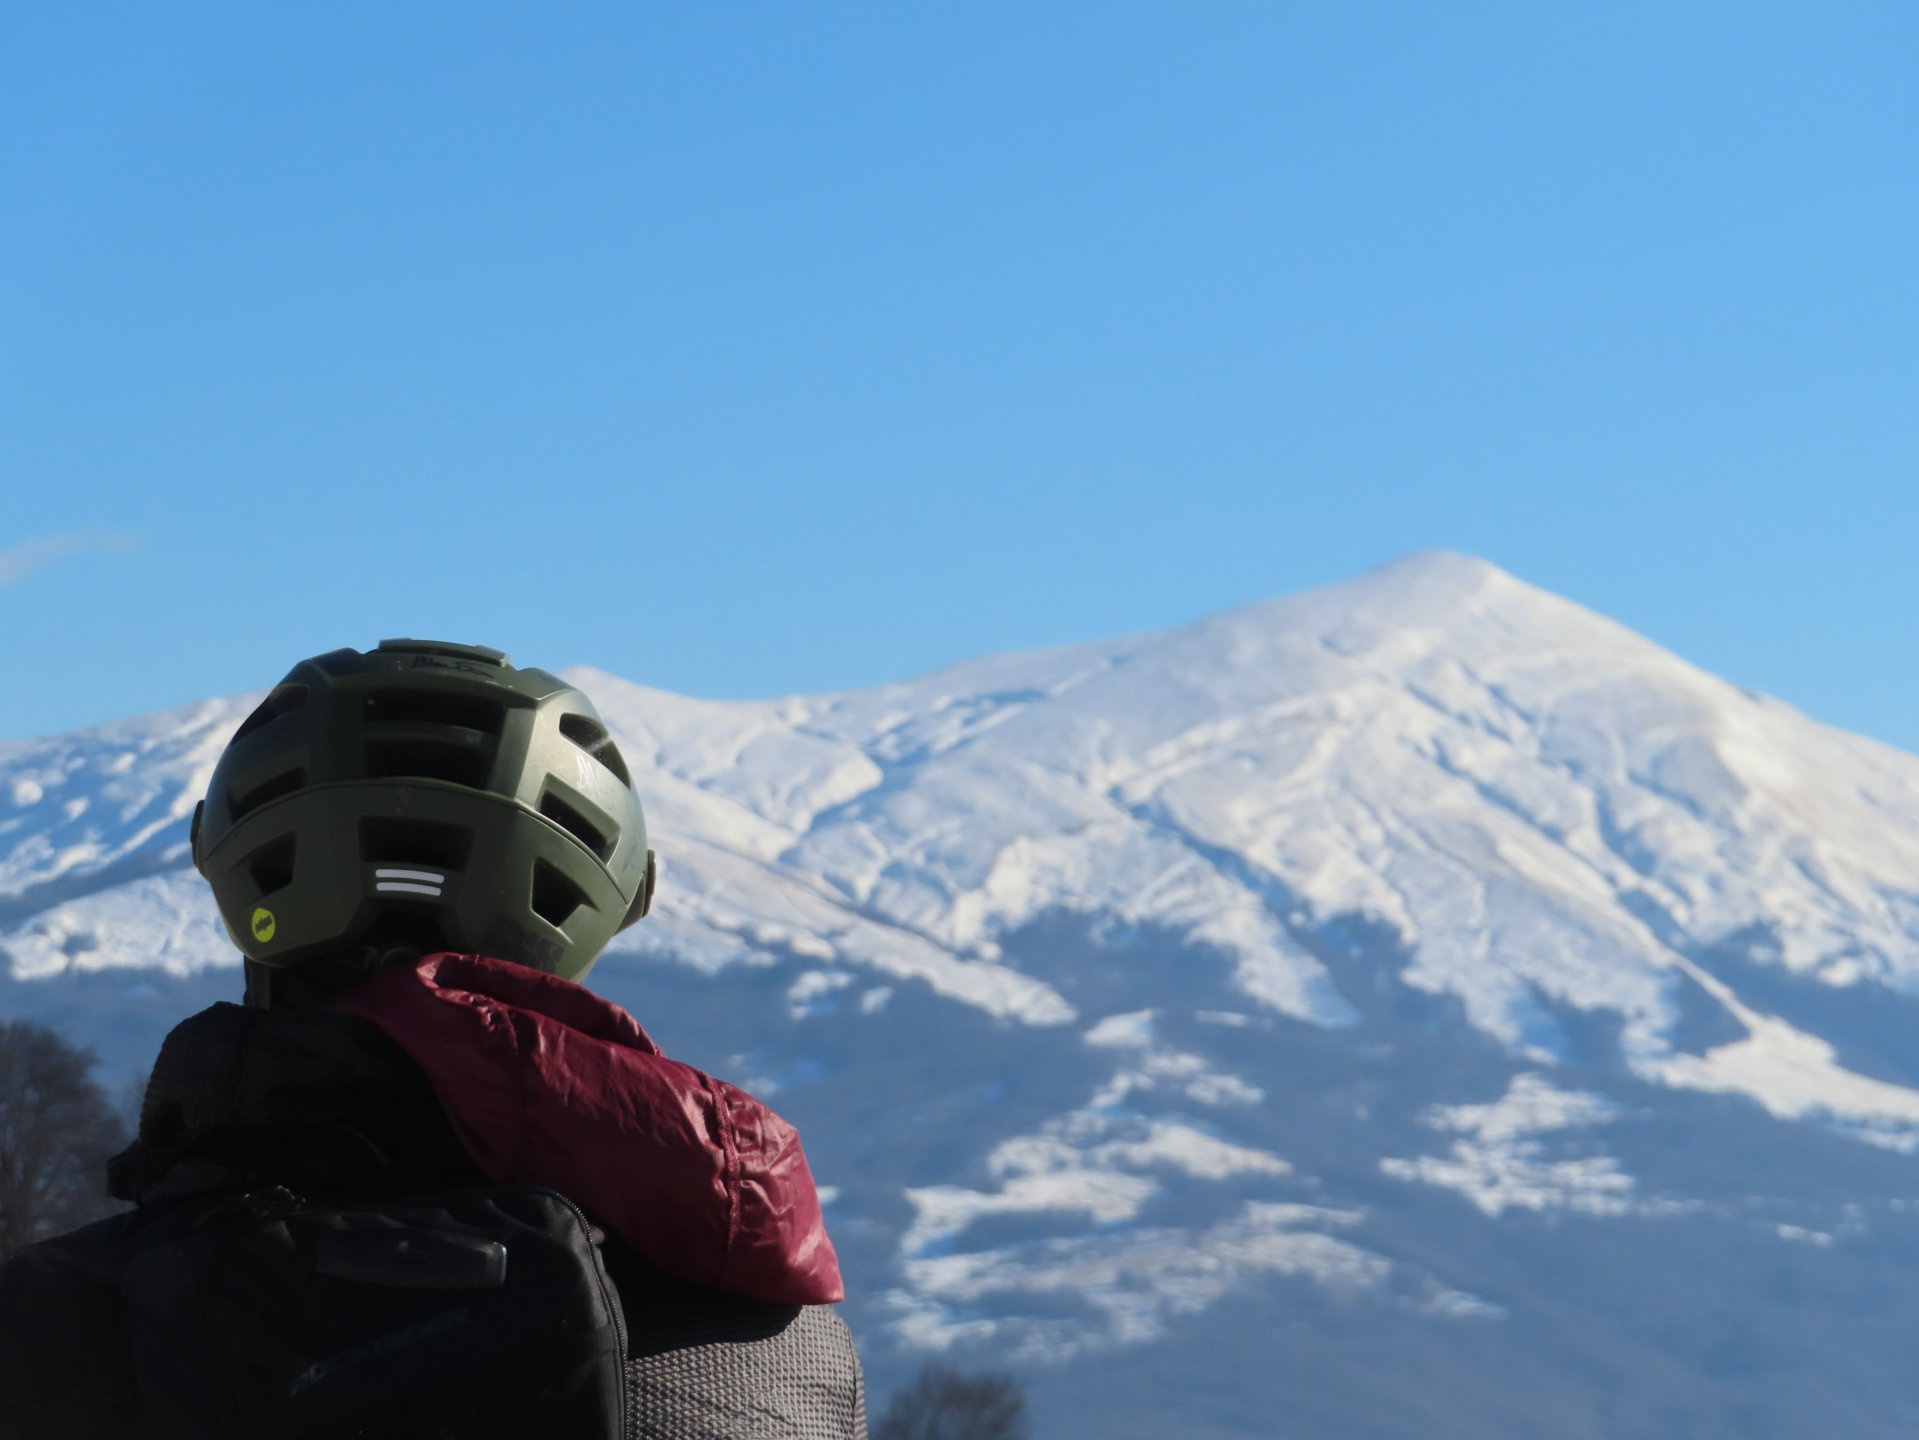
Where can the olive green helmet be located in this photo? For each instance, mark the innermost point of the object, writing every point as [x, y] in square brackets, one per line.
[428, 796]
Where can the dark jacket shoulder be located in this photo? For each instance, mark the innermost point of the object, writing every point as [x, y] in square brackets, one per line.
[65, 1372]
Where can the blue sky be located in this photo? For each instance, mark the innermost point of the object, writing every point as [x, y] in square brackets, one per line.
[760, 348]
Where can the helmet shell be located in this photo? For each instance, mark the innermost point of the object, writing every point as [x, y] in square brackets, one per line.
[429, 794]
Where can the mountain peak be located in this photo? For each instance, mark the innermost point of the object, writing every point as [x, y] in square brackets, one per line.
[1429, 588]
[1434, 568]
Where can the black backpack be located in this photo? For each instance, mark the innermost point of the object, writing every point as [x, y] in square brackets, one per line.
[460, 1314]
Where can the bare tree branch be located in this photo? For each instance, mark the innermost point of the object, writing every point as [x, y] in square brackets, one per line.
[57, 1128]
[941, 1403]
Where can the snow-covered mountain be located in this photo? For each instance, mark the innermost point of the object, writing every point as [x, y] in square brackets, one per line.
[1419, 1006]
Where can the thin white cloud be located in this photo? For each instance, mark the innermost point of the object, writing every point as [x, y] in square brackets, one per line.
[19, 561]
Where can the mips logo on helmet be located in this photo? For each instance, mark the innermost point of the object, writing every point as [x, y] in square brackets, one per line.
[263, 925]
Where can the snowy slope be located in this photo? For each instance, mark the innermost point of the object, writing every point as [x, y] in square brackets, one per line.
[1539, 803]
[1122, 986]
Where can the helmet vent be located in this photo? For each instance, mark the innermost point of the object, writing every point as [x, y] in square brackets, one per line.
[591, 737]
[283, 700]
[577, 825]
[284, 783]
[555, 897]
[434, 707]
[446, 650]
[271, 868]
[422, 758]
[386, 841]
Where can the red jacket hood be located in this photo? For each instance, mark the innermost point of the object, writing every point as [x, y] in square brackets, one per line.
[547, 1084]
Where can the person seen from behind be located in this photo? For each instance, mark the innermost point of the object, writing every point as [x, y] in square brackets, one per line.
[423, 1183]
